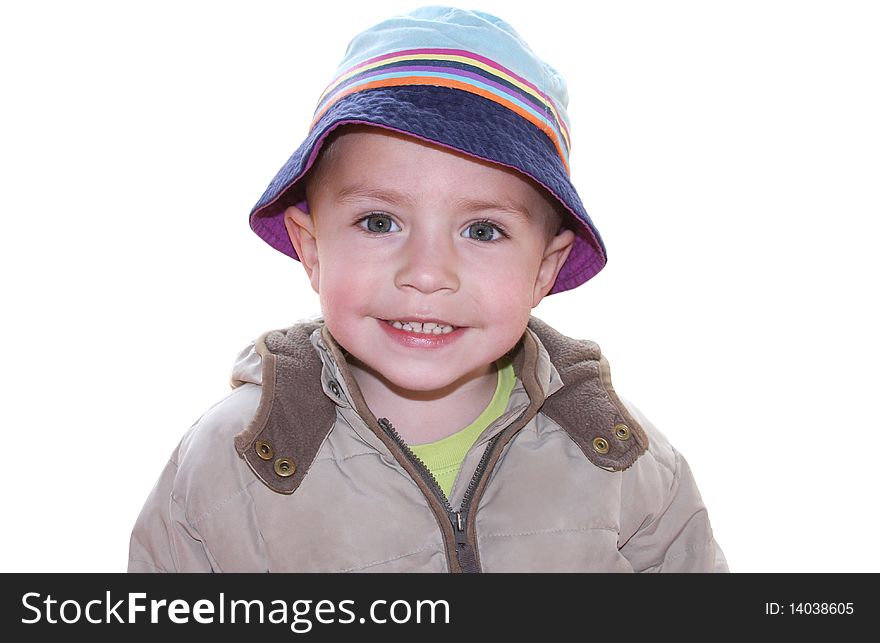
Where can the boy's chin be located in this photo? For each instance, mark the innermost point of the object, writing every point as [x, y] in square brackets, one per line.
[423, 380]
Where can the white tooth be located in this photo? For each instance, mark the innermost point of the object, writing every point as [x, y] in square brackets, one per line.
[397, 325]
[437, 330]
[429, 326]
[416, 326]
[407, 327]
[447, 330]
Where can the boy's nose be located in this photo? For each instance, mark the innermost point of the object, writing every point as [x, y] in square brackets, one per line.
[428, 265]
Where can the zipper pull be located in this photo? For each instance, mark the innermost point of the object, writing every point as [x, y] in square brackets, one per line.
[463, 551]
[458, 523]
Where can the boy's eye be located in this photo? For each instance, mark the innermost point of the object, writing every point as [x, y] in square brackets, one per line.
[378, 223]
[483, 231]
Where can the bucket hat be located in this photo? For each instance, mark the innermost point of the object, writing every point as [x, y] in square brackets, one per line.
[460, 79]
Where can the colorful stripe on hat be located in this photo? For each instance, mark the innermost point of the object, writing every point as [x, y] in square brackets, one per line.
[458, 69]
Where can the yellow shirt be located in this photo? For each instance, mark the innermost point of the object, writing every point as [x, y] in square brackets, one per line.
[444, 457]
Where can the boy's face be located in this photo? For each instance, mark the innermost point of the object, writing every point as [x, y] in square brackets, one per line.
[402, 230]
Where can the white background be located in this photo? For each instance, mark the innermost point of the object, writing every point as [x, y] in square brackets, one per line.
[727, 151]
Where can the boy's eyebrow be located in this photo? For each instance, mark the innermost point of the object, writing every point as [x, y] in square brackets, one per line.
[478, 205]
[358, 191]
[395, 197]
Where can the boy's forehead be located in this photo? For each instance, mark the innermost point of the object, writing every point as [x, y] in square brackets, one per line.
[388, 146]
[373, 163]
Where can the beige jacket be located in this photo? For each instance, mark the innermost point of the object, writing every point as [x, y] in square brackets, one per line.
[292, 472]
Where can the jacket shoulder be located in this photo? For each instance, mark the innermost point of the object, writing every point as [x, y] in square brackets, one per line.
[210, 466]
[587, 407]
[207, 464]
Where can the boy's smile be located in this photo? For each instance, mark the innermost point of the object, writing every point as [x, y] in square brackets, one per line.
[422, 334]
[427, 262]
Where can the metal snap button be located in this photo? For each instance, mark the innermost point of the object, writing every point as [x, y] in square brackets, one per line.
[284, 467]
[265, 450]
[334, 387]
[621, 431]
[600, 445]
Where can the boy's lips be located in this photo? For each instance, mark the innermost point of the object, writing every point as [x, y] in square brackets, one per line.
[442, 334]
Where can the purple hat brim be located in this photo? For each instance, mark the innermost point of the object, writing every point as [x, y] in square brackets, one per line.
[451, 118]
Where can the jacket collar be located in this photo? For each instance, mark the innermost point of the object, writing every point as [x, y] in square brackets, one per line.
[305, 378]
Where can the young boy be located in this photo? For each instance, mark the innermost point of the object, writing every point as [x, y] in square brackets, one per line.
[427, 422]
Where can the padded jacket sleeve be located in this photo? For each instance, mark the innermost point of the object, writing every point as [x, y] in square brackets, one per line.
[676, 535]
[668, 528]
[162, 539]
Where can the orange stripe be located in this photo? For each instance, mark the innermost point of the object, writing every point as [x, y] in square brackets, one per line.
[424, 80]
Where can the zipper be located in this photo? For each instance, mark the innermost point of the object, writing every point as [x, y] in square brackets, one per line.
[464, 550]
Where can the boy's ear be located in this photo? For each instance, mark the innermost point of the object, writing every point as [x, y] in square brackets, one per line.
[555, 254]
[301, 229]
